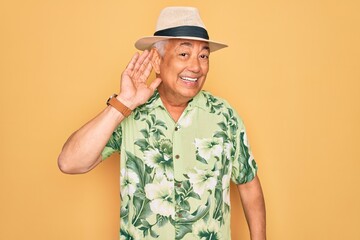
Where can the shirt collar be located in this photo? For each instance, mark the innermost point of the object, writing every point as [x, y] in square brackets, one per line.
[199, 101]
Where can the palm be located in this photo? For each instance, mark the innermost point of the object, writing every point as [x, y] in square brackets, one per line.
[134, 88]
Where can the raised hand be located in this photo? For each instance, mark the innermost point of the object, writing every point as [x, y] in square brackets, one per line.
[82, 151]
[134, 89]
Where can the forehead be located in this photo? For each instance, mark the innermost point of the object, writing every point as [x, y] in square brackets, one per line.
[177, 43]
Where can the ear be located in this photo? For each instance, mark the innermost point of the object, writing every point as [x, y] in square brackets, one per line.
[156, 60]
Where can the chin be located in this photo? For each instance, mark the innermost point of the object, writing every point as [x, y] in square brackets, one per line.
[190, 93]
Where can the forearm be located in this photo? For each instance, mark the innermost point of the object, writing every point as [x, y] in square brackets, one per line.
[82, 151]
[254, 207]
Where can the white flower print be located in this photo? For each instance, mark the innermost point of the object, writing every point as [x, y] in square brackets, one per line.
[161, 158]
[203, 180]
[128, 181]
[186, 120]
[208, 147]
[160, 195]
[228, 148]
[226, 189]
[207, 230]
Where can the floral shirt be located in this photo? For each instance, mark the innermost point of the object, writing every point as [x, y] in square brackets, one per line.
[175, 176]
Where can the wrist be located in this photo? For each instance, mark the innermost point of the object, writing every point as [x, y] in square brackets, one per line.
[117, 104]
[126, 101]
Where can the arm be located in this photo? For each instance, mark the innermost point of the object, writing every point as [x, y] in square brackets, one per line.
[82, 151]
[254, 207]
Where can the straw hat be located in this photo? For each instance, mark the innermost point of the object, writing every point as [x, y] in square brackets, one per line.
[179, 23]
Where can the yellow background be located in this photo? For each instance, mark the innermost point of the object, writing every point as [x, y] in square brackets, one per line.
[292, 71]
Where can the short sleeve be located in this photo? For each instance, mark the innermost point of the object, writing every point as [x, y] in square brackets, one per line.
[244, 167]
[114, 143]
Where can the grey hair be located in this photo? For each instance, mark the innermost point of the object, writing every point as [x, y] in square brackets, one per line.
[160, 46]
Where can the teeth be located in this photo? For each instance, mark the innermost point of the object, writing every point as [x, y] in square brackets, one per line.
[189, 79]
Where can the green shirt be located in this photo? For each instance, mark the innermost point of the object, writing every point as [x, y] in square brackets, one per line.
[175, 176]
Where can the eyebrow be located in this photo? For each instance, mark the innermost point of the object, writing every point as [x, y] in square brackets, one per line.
[188, 44]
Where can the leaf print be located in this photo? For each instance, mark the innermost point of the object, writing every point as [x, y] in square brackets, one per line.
[184, 225]
[153, 233]
[137, 165]
[124, 213]
[194, 195]
[203, 180]
[147, 228]
[114, 143]
[143, 110]
[185, 205]
[183, 192]
[195, 205]
[213, 103]
[246, 156]
[201, 212]
[160, 196]
[207, 230]
[142, 210]
[200, 159]
[153, 118]
[141, 204]
[160, 123]
[142, 143]
[218, 213]
[148, 123]
[231, 121]
[223, 126]
[247, 165]
[161, 220]
[160, 158]
[155, 126]
[181, 230]
[129, 232]
[145, 133]
[116, 138]
[222, 135]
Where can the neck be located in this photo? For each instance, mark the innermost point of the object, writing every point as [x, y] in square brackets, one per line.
[175, 109]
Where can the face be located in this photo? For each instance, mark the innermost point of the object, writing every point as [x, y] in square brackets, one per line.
[183, 69]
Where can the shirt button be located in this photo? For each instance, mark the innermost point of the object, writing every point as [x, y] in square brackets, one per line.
[177, 128]
[177, 156]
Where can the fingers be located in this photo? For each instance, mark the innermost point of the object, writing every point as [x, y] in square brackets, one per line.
[155, 84]
[146, 68]
[139, 65]
[132, 62]
[143, 70]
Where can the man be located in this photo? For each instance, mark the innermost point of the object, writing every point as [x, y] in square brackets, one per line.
[180, 146]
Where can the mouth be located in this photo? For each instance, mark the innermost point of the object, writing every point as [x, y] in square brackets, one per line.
[189, 79]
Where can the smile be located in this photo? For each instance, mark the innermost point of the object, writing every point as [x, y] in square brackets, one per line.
[189, 79]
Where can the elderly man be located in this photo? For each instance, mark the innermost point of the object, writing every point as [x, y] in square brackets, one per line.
[180, 146]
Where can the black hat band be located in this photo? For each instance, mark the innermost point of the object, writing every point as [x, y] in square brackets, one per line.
[183, 31]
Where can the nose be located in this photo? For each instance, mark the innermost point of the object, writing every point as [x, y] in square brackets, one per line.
[194, 65]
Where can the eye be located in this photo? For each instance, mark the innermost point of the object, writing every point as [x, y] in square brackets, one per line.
[204, 56]
[183, 54]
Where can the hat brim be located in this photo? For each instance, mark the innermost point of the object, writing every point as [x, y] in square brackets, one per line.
[147, 42]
